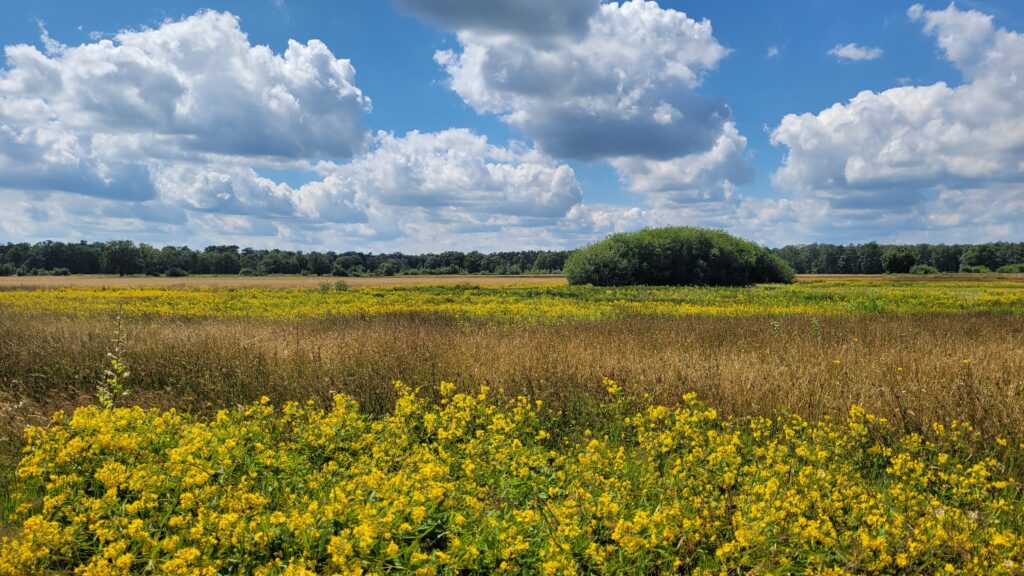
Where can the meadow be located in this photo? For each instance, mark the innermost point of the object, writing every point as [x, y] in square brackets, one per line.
[527, 302]
[857, 425]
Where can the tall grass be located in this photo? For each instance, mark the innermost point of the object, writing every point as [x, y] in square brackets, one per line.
[913, 370]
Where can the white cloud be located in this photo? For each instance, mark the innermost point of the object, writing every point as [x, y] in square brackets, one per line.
[418, 191]
[624, 92]
[773, 52]
[856, 52]
[163, 135]
[450, 170]
[626, 88]
[913, 156]
[198, 85]
[708, 176]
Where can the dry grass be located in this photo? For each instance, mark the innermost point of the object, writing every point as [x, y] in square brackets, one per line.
[914, 370]
[277, 281]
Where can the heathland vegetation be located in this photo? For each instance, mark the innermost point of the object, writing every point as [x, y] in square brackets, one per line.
[863, 425]
[538, 303]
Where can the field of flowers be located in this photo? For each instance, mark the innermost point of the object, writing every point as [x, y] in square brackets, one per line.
[834, 297]
[550, 471]
[473, 485]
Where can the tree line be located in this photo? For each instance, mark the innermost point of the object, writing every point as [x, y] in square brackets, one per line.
[875, 258]
[125, 257]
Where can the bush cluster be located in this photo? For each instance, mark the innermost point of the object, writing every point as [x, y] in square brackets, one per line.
[675, 256]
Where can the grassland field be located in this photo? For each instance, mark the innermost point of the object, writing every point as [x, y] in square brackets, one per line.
[839, 425]
[309, 281]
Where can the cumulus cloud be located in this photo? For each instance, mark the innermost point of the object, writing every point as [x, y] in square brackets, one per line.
[625, 92]
[102, 119]
[457, 168]
[198, 82]
[708, 176]
[626, 88]
[165, 132]
[537, 19]
[853, 51]
[922, 151]
[418, 190]
[452, 177]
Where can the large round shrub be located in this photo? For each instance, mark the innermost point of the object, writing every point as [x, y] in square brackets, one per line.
[675, 256]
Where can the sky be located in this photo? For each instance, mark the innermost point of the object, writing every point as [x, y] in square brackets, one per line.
[428, 125]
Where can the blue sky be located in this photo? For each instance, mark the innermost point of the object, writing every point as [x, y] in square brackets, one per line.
[436, 124]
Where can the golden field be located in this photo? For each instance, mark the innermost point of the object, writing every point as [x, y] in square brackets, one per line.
[843, 426]
[528, 302]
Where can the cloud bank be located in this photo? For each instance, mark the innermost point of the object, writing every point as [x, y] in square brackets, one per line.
[626, 91]
[190, 132]
[170, 133]
[928, 160]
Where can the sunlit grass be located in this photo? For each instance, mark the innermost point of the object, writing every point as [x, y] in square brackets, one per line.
[531, 302]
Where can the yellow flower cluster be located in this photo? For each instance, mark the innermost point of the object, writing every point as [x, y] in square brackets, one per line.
[473, 485]
[531, 302]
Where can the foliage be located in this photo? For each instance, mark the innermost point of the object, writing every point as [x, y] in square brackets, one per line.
[975, 269]
[923, 269]
[868, 258]
[982, 256]
[474, 486]
[124, 257]
[898, 259]
[680, 256]
[1011, 269]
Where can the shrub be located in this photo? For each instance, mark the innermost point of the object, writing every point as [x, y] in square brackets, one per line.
[1011, 269]
[975, 269]
[249, 272]
[675, 256]
[8, 269]
[924, 269]
[175, 272]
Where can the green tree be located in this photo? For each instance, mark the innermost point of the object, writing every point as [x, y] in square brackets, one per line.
[981, 255]
[898, 259]
[121, 257]
[318, 263]
[870, 258]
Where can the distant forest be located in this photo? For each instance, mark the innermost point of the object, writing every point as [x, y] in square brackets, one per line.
[875, 258]
[125, 257]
